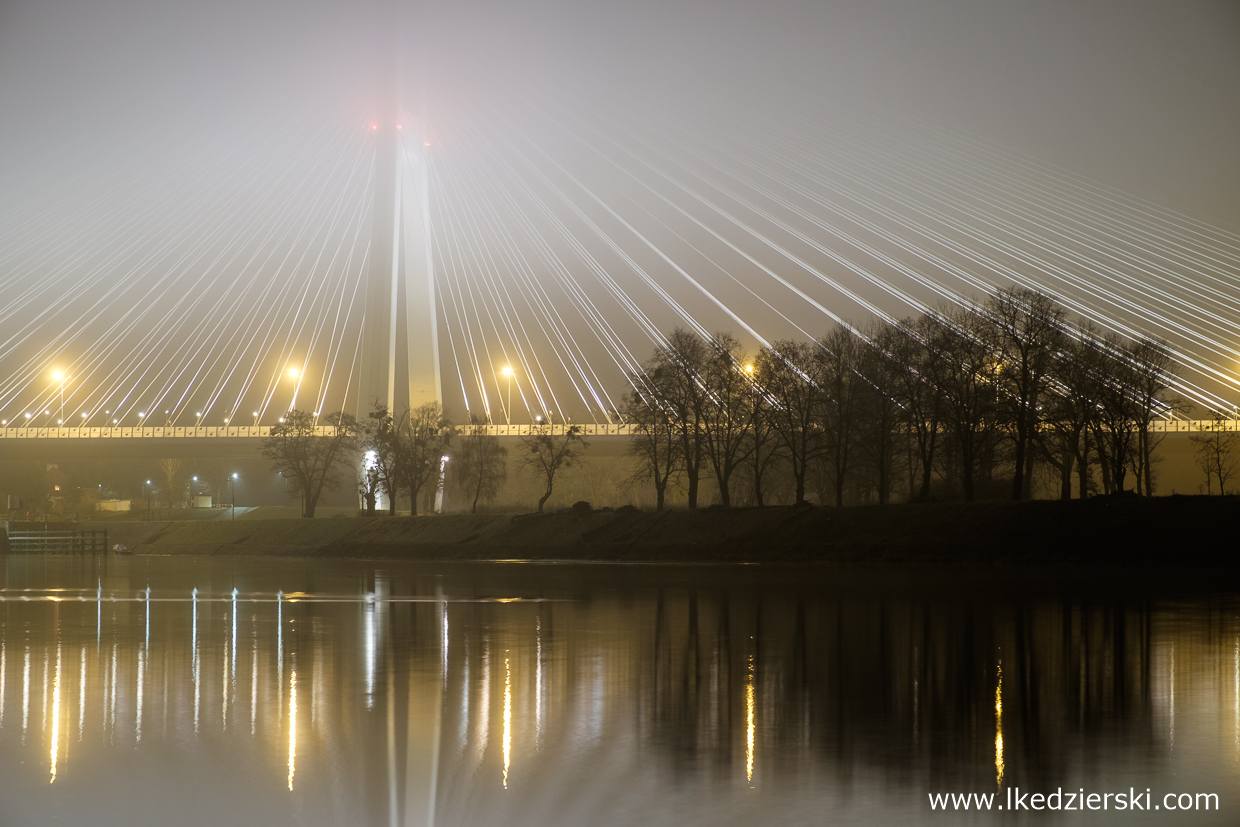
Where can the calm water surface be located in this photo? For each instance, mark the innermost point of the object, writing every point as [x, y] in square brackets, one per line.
[245, 691]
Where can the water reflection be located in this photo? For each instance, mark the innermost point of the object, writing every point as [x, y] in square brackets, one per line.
[373, 696]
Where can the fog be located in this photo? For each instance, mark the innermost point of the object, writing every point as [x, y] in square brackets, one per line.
[186, 190]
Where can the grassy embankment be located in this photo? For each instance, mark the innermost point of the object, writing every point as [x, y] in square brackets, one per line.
[1103, 531]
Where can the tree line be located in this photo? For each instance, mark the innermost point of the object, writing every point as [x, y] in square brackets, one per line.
[406, 457]
[959, 399]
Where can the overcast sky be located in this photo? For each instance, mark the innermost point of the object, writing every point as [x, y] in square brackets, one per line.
[1139, 95]
[1143, 94]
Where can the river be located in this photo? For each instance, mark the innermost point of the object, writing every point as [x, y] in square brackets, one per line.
[139, 691]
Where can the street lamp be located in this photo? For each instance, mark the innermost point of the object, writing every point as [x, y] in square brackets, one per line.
[232, 495]
[507, 371]
[146, 492]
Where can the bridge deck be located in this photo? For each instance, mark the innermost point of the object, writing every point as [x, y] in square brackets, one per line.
[256, 432]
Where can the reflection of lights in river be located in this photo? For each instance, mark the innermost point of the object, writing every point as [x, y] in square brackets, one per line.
[999, 725]
[370, 651]
[1172, 706]
[254, 685]
[292, 727]
[82, 697]
[749, 721]
[3, 672]
[55, 749]
[26, 695]
[507, 719]
[1236, 722]
[138, 700]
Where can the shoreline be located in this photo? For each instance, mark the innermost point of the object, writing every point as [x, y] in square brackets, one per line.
[1116, 532]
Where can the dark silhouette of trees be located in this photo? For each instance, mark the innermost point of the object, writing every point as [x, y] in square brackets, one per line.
[965, 395]
[1029, 328]
[674, 380]
[1217, 452]
[965, 369]
[311, 457]
[787, 372]
[377, 435]
[655, 443]
[728, 410]
[479, 466]
[422, 437]
[917, 393]
[545, 453]
[839, 360]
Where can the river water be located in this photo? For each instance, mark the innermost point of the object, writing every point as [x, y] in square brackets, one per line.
[160, 691]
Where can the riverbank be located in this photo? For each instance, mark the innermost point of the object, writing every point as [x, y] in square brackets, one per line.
[1165, 531]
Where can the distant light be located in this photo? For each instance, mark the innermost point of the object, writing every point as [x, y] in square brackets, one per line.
[60, 422]
[140, 414]
[58, 375]
[256, 413]
[428, 143]
[234, 475]
[292, 373]
[107, 412]
[27, 416]
[115, 421]
[749, 369]
[47, 413]
[374, 126]
[444, 458]
[197, 413]
[84, 415]
[148, 482]
[4, 422]
[281, 419]
[316, 413]
[398, 126]
[195, 479]
[225, 420]
[506, 370]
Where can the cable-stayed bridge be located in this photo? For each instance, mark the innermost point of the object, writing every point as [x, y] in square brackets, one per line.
[519, 258]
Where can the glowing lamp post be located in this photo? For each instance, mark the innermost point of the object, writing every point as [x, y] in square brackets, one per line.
[232, 496]
[146, 492]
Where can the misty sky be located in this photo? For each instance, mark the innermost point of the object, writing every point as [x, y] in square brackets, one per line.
[99, 100]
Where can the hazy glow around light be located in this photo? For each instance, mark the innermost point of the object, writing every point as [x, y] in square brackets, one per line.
[506, 370]
[58, 375]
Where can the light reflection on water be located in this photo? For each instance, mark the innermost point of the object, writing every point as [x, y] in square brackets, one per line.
[484, 694]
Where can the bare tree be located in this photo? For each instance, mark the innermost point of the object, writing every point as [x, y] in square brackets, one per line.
[879, 404]
[480, 466]
[727, 415]
[170, 473]
[839, 358]
[377, 434]
[311, 457]
[421, 437]
[1114, 420]
[674, 379]
[1069, 409]
[545, 454]
[1029, 327]
[1152, 370]
[918, 394]
[654, 443]
[963, 367]
[1217, 451]
[786, 372]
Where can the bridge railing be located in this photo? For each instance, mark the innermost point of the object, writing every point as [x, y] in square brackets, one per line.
[261, 432]
[588, 430]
